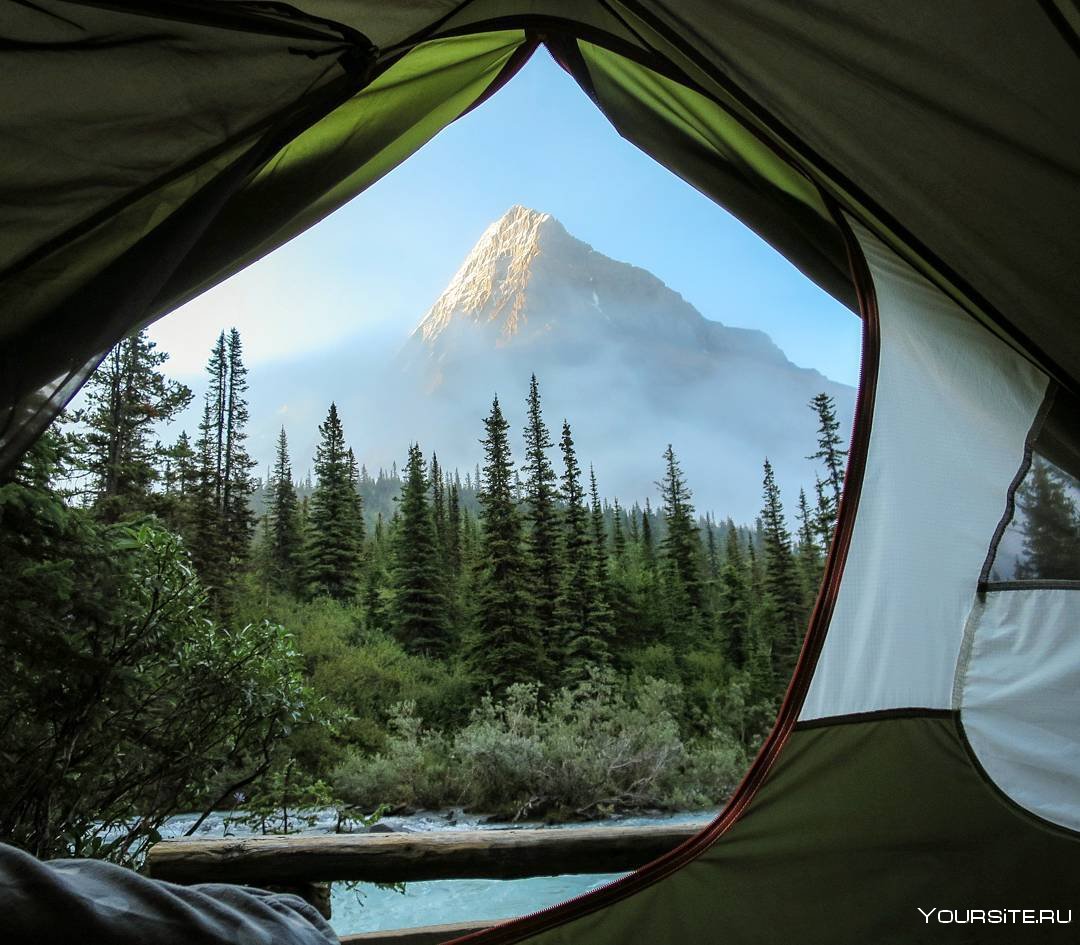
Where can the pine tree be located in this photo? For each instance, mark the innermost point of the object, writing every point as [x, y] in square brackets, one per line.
[735, 600]
[648, 546]
[438, 504]
[238, 520]
[599, 532]
[503, 645]
[810, 562]
[1050, 522]
[833, 457]
[712, 551]
[420, 607]
[583, 617]
[333, 543]
[679, 551]
[126, 397]
[781, 578]
[283, 539]
[453, 532]
[618, 534]
[542, 520]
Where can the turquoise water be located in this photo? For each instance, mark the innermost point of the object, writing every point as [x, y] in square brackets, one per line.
[370, 909]
[365, 907]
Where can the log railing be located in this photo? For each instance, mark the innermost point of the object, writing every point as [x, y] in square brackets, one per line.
[301, 861]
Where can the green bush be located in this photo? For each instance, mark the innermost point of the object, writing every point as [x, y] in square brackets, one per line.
[593, 748]
[123, 700]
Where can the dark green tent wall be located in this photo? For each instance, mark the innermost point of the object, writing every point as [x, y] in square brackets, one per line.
[919, 161]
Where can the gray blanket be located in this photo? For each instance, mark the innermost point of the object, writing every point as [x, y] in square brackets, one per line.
[94, 903]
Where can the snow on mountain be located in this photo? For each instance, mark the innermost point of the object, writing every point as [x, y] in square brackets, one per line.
[628, 361]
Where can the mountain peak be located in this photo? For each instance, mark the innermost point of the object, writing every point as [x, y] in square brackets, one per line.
[491, 286]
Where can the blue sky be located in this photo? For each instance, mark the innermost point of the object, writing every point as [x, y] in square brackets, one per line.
[373, 268]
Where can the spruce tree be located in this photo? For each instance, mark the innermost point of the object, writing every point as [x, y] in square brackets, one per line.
[599, 533]
[648, 546]
[283, 539]
[126, 397]
[833, 457]
[420, 607]
[542, 520]
[333, 542]
[679, 551]
[583, 617]
[238, 519]
[781, 582]
[1050, 523]
[735, 600]
[438, 504]
[618, 534]
[503, 646]
[810, 562]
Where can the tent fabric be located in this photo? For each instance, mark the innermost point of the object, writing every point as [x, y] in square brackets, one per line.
[959, 125]
[153, 148]
[1018, 693]
[858, 826]
[954, 407]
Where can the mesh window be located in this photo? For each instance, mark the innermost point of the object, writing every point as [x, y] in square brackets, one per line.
[1042, 542]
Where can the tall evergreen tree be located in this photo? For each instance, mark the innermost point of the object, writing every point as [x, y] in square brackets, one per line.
[781, 578]
[503, 645]
[833, 456]
[679, 549]
[648, 545]
[282, 539]
[238, 519]
[542, 520]
[735, 600]
[333, 543]
[618, 534]
[126, 397]
[598, 529]
[453, 532]
[180, 479]
[584, 619]
[420, 605]
[1050, 522]
[809, 557]
[438, 503]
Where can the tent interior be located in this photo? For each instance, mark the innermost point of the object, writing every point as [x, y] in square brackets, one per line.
[919, 162]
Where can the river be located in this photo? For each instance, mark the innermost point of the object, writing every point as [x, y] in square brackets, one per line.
[364, 907]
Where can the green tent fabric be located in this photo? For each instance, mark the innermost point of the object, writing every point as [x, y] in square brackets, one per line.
[919, 161]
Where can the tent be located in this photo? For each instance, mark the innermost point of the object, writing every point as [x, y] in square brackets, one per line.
[920, 161]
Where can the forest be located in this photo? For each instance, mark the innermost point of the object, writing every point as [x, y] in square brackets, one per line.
[181, 635]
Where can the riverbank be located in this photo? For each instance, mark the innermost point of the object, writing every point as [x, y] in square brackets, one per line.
[367, 907]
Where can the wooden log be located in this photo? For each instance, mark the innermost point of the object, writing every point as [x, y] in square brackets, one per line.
[406, 857]
[425, 935]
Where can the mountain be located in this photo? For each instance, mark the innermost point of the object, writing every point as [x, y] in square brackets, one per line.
[630, 363]
[627, 359]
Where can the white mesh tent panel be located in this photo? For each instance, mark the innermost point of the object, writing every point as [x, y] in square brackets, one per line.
[954, 406]
[1018, 692]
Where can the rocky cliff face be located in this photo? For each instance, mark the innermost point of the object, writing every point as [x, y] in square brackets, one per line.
[628, 360]
[546, 298]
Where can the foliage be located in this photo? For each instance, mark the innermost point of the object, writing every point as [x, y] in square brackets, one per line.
[504, 646]
[507, 641]
[282, 536]
[126, 398]
[123, 698]
[595, 747]
[1050, 520]
[335, 520]
[420, 605]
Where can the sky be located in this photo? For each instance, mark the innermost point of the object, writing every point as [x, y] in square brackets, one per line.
[370, 271]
